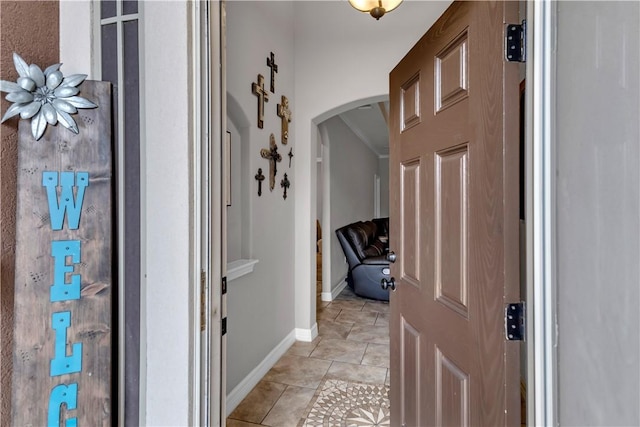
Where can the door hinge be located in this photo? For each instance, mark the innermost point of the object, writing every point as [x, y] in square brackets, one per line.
[514, 321]
[515, 42]
[224, 326]
[224, 285]
[203, 300]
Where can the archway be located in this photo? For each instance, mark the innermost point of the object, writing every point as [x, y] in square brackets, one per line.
[332, 280]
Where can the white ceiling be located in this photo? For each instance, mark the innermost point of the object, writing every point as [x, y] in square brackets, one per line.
[369, 123]
[335, 22]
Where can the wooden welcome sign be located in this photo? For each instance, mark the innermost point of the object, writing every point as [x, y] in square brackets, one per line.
[64, 240]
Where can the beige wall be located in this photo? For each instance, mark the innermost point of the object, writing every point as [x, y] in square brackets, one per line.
[260, 304]
[29, 28]
[351, 189]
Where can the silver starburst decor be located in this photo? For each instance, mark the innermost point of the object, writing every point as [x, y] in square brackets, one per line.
[44, 96]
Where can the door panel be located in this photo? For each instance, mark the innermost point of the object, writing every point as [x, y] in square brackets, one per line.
[451, 73]
[452, 393]
[450, 209]
[410, 102]
[410, 364]
[410, 226]
[454, 222]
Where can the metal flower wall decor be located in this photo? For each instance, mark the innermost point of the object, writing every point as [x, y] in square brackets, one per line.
[44, 96]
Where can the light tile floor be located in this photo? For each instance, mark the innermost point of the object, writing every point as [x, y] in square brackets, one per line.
[352, 344]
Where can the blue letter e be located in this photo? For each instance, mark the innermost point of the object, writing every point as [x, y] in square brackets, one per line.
[61, 290]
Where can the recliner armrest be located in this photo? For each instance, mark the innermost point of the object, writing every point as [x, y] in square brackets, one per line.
[376, 260]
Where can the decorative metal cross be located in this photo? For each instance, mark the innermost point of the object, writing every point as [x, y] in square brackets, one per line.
[274, 157]
[290, 156]
[263, 96]
[271, 63]
[285, 184]
[259, 178]
[285, 114]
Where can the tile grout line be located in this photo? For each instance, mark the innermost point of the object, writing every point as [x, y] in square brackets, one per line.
[274, 405]
[363, 354]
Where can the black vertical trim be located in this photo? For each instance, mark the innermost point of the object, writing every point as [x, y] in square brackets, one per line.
[522, 151]
[131, 197]
[131, 119]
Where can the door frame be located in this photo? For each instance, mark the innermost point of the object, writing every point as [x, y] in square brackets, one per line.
[540, 200]
[207, 352]
[540, 225]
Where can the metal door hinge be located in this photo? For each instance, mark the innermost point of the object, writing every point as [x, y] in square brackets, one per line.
[224, 285]
[515, 42]
[224, 326]
[203, 300]
[514, 321]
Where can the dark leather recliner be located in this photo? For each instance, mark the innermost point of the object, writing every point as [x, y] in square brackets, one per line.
[365, 245]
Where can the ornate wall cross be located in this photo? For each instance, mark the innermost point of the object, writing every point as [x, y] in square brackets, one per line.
[274, 157]
[290, 156]
[263, 96]
[271, 63]
[285, 114]
[285, 184]
[259, 178]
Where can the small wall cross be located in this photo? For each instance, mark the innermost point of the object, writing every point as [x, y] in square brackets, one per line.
[271, 63]
[285, 184]
[259, 178]
[285, 114]
[290, 156]
[263, 96]
[274, 157]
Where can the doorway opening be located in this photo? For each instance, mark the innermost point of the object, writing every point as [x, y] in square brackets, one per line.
[327, 249]
[351, 181]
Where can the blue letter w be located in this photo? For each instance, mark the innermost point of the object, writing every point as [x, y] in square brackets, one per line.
[72, 206]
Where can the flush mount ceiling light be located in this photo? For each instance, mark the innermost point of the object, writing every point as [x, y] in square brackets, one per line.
[377, 8]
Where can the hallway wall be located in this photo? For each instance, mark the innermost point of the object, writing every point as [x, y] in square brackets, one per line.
[260, 305]
[353, 166]
[383, 171]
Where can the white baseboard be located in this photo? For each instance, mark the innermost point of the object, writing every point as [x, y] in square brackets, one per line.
[330, 296]
[250, 381]
[307, 335]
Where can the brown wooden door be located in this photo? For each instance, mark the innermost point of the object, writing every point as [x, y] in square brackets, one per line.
[454, 223]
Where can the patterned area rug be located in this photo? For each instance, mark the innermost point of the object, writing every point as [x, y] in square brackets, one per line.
[340, 403]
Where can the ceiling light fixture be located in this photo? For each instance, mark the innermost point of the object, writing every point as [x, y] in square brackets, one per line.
[376, 8]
